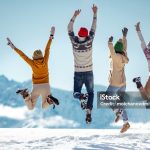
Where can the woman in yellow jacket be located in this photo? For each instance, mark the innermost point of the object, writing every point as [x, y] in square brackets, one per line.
[117, 79]
[40, 76]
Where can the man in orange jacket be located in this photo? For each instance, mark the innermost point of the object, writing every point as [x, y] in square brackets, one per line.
[40, 76]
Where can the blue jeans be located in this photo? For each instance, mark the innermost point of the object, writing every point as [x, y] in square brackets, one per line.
[115, 89]
[86, 78]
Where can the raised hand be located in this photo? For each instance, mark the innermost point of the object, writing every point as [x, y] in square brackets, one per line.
[10, 43]
[137, 26]
[94, 8]
[110, 39]
[77, 12]
[124, 31]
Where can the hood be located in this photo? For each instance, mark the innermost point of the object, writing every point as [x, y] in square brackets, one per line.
[39, 62]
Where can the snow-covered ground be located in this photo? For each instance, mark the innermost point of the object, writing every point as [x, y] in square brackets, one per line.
[76, 139]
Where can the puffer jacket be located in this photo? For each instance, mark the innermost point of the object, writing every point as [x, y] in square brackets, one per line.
[117, 65]
[39, 67]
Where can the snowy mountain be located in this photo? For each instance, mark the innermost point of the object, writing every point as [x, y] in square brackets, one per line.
[13, 112]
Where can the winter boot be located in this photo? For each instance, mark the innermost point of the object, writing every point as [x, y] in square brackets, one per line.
[88, 118]
[52, 100]
[23, 92]
[137, 80]
[83, 100]
[125, 127]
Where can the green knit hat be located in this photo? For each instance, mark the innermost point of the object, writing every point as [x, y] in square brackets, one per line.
[118, 47]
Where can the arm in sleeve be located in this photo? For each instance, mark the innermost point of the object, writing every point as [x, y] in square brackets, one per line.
[47, 49]
[124, 40]
[23, 56]
[125, 59]
[93, 27]
[71, 23]
[70, 28]
[143, 44]
[111, 48]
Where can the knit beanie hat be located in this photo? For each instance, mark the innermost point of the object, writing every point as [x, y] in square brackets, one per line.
[83, 32]
[118, 47]
[37, 54]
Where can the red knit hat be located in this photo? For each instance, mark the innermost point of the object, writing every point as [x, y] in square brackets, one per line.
[83, 32]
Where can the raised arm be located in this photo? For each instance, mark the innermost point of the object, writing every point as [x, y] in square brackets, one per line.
[47, 48]
[143, 44]
[124, 39]
[111, 47]
[22, 55]
[93, 27]
[71, 23]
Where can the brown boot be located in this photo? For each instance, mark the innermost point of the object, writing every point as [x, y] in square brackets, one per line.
[23, 92]
[125, 127]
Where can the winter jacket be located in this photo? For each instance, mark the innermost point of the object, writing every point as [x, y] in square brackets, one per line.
[39, 67]
[117, 65]
[82, 51]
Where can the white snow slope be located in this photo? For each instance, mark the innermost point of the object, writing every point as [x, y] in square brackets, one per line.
[73, 139]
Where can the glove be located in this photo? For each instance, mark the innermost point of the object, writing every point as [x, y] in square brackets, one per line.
[124, 31]
[10, 43]
[52, 32]
[137, 26]
[110, 39]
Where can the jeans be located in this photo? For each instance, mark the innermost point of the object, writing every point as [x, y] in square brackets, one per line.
[113, 90]
[86, 78]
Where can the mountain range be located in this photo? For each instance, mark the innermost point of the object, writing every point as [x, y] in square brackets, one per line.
[14, 114]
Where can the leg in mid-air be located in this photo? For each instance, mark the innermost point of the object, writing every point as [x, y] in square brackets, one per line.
[142, 90]
[30, 99]
[78, 83]
[89, 84]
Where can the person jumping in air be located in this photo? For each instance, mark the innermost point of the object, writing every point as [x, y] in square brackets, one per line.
[82, 51]
[40, 76]
[117, 79]
[145, 91]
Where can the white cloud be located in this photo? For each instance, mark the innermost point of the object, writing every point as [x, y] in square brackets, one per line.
[18, 113]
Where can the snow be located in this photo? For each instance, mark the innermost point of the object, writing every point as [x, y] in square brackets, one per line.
[76, 139]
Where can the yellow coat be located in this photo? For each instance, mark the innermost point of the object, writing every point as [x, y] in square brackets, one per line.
[39, 67]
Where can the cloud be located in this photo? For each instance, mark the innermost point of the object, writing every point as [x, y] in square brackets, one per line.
[30, 119]
[18, 113]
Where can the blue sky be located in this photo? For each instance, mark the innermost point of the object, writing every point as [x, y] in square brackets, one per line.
[28, 23]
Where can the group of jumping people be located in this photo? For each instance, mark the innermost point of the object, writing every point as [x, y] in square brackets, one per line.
[83, 69]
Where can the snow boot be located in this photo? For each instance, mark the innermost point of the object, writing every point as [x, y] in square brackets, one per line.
[88, 118]
[83, 100]
[137, 80]
[23, 92]
[125, 127]
[52, 100]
